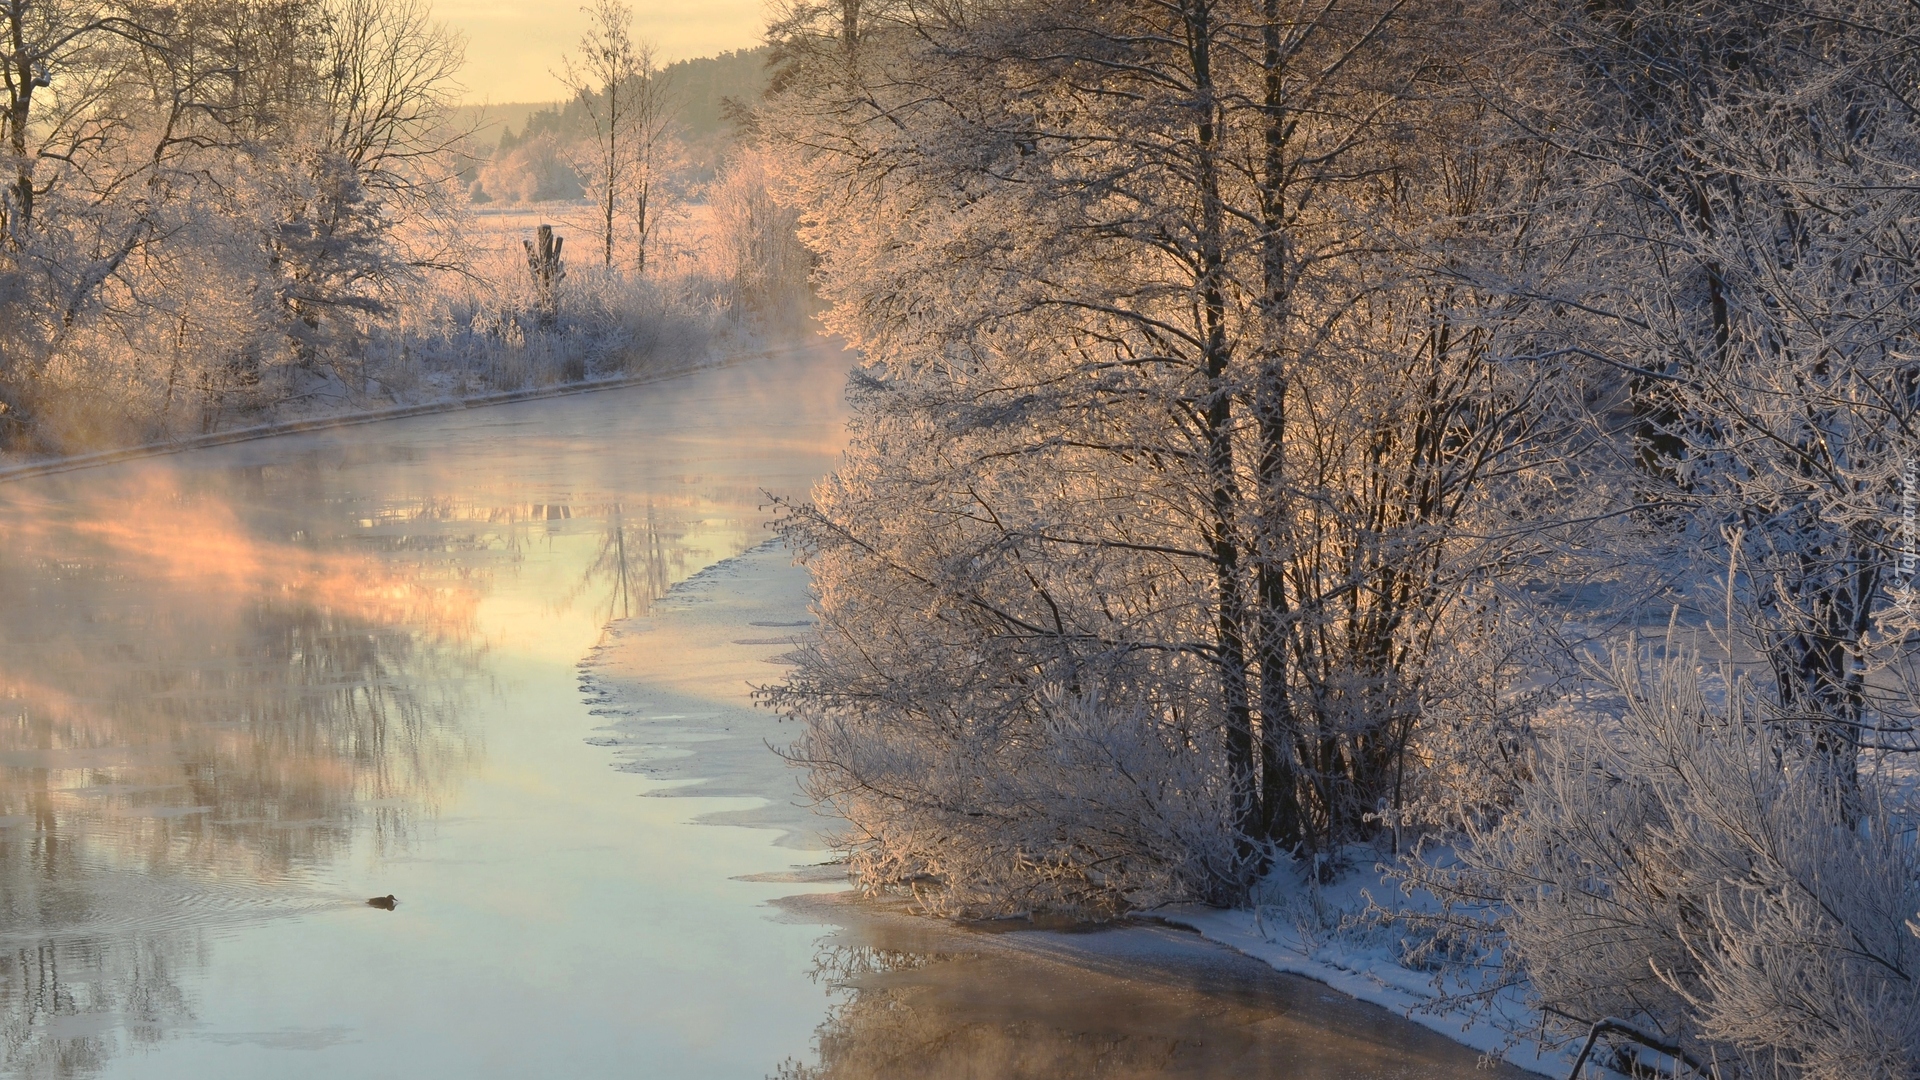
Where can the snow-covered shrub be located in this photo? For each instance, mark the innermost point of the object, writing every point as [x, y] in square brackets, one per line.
[223, 358]
[1689, 872]
[482, 332]
[1062, 803]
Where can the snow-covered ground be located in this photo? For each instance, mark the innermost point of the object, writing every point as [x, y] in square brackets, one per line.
[1324, 933]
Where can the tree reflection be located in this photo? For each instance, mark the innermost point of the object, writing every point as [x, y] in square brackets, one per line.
[58, 994]
[888, 1027]
[634, 566]
[901, 1015]
[193, 710]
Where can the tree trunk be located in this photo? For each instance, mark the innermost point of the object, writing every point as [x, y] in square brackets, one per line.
[1281, 820]
[21, 79]
[1217, 425]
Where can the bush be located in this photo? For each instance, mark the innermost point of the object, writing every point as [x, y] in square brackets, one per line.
[1692, 871]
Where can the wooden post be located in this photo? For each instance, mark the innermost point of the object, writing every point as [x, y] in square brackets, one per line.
[543, 261]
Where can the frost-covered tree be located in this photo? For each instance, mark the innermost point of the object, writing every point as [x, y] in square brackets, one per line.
[293, 136]
[1165, 421]
[1749, 266]
[630, 108]
[1689, 875]
[232, 207]
[754, 238]
[89, 146]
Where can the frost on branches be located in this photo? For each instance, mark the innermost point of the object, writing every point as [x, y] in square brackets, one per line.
[1178, 412]
[1269, 408]
[1689, 872]
[1754, 283]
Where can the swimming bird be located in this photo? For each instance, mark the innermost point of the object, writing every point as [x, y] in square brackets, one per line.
[386, 902]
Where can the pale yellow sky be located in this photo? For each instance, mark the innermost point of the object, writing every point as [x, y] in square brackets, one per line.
[513, 47]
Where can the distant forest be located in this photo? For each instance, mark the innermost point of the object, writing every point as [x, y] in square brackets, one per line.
[698, 91]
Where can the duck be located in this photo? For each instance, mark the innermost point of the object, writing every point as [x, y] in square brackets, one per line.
[386, 902]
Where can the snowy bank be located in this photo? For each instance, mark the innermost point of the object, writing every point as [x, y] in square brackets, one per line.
[673, 687]
[1321, 933]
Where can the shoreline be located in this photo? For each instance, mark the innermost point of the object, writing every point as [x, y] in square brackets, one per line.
[47, 466]
[672, 686]
[1363, 973]
[1134, 980]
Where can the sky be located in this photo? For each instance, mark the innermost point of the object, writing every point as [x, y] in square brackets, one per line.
[514, 46]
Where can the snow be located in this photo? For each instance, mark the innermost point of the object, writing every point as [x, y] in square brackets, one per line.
[1322, 933]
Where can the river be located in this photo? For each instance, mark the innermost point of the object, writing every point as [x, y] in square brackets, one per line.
[244, 689]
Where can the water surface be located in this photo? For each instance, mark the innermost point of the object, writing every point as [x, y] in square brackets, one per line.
[244, 689]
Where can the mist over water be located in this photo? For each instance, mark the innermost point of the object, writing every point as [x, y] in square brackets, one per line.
[242, 691]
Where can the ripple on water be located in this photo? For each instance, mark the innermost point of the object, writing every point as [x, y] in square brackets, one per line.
[105, 902]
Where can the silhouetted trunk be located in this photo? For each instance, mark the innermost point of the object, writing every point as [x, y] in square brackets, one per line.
[1280, 819]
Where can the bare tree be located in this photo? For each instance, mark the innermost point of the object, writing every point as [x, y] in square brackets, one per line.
[389, 87]
[86, 42]
[654, 112]
[626, 100]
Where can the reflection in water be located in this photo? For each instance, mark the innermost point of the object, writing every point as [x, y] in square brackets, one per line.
[906, 1014]
[917, 1002]
[59, 1026]
[216, 683]
[636, 563]
[193, 709]
[231, 681]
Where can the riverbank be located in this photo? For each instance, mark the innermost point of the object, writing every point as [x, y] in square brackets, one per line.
[15, 467]
[919, 997]
[1324, 934]
[674, 685]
